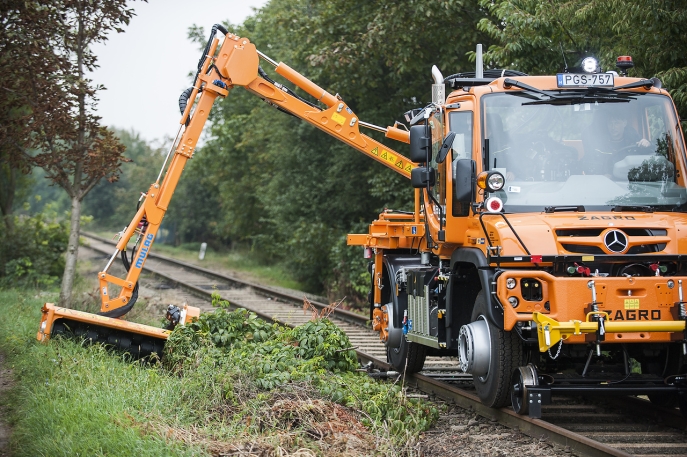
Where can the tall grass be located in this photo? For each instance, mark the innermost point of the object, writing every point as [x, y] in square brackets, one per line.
[231, 383]
[69, 400]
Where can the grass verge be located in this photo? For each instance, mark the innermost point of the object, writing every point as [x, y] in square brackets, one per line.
[230, 385]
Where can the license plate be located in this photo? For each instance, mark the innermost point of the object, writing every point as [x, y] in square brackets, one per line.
[585, 80]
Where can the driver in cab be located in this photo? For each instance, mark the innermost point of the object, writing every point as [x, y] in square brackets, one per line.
[611, 143]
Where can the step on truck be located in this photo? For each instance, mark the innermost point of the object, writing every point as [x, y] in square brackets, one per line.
[546, 249]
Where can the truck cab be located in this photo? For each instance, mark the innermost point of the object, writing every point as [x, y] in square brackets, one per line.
[550, 256]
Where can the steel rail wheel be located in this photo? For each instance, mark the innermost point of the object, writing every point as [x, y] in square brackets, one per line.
[504, 355]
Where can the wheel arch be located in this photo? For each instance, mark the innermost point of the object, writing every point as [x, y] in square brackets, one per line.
[471, 273]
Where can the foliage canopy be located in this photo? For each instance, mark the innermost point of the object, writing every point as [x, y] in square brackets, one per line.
[285, 187]
[532, 35]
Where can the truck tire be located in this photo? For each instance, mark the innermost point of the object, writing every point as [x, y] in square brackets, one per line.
[408, 357]
[493, 389]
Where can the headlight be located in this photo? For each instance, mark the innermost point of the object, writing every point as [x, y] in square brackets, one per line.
[590, 65]
[491, 181]
[495, 181]
[511, 283]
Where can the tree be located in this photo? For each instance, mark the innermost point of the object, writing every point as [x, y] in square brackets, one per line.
[23, 39]
[114, 204]
[289, 189]
[533, 35]
[52, 102]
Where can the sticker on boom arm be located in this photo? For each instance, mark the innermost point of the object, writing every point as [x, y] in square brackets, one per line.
[339, 119]
[143, 252]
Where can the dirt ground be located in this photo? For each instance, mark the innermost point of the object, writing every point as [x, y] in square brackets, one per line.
[461, 432]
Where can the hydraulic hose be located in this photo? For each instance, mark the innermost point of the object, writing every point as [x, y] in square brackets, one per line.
[185, 95]
[119, 312]
[183, 101]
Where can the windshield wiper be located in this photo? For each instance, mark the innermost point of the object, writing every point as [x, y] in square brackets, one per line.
[646, 83]
[553, 209]
[508, 83]
[621, 208]
[580, 98]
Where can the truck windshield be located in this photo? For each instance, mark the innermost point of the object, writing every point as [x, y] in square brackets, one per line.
[598, 154]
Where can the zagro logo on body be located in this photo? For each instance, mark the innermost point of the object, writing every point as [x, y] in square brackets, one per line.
[144, 250]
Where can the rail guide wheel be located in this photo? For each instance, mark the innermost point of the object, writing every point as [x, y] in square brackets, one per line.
[522, 379]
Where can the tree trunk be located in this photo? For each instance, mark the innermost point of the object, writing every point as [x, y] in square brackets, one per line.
[72, 253]
[8, 186]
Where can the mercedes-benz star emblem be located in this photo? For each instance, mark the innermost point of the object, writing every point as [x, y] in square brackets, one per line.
[615, 241]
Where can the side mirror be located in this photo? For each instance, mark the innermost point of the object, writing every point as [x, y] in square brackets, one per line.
[445, 146]
[423, 177]
[464, 182]
[419, 144]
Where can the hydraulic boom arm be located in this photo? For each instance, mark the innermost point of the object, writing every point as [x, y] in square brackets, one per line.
[236, 63]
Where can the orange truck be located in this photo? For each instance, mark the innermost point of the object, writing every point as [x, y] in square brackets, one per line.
[544, 249]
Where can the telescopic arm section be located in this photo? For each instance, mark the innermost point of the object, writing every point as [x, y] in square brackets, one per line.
[241, 68]
[235, 64]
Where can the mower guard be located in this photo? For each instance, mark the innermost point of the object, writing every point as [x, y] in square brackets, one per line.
[118, 332]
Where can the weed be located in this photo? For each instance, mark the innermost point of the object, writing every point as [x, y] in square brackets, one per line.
[230, 384]
[251, 363]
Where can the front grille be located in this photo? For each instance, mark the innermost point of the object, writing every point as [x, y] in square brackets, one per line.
[579, 232]
[582, 249]
[646, 248]
[568, 236]
[645, 232]
[575, 232]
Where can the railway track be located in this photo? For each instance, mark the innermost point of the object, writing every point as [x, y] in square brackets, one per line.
[592, 426]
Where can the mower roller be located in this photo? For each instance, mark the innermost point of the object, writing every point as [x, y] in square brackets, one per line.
[137, 339]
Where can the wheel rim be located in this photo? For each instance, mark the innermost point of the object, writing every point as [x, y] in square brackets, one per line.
[522, 379]
[395, 334]
[474, 348]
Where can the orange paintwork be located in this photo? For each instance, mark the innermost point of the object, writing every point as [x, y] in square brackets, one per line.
[52, 313]
[234, 62]
[380, 323]
[568, 296]
[647, 299]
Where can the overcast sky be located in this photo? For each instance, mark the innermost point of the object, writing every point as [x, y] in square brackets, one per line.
[146, 68]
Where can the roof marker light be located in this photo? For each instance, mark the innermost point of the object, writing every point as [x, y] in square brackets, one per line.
[624, 63]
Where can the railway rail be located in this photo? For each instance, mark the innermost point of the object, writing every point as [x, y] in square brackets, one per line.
[598, 427]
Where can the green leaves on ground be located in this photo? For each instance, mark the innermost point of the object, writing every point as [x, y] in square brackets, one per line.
[236, 383]
[31, 251]
[245, 357]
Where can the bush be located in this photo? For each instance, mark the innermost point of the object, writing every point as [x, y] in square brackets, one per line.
[243, 363]
[31, 251]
